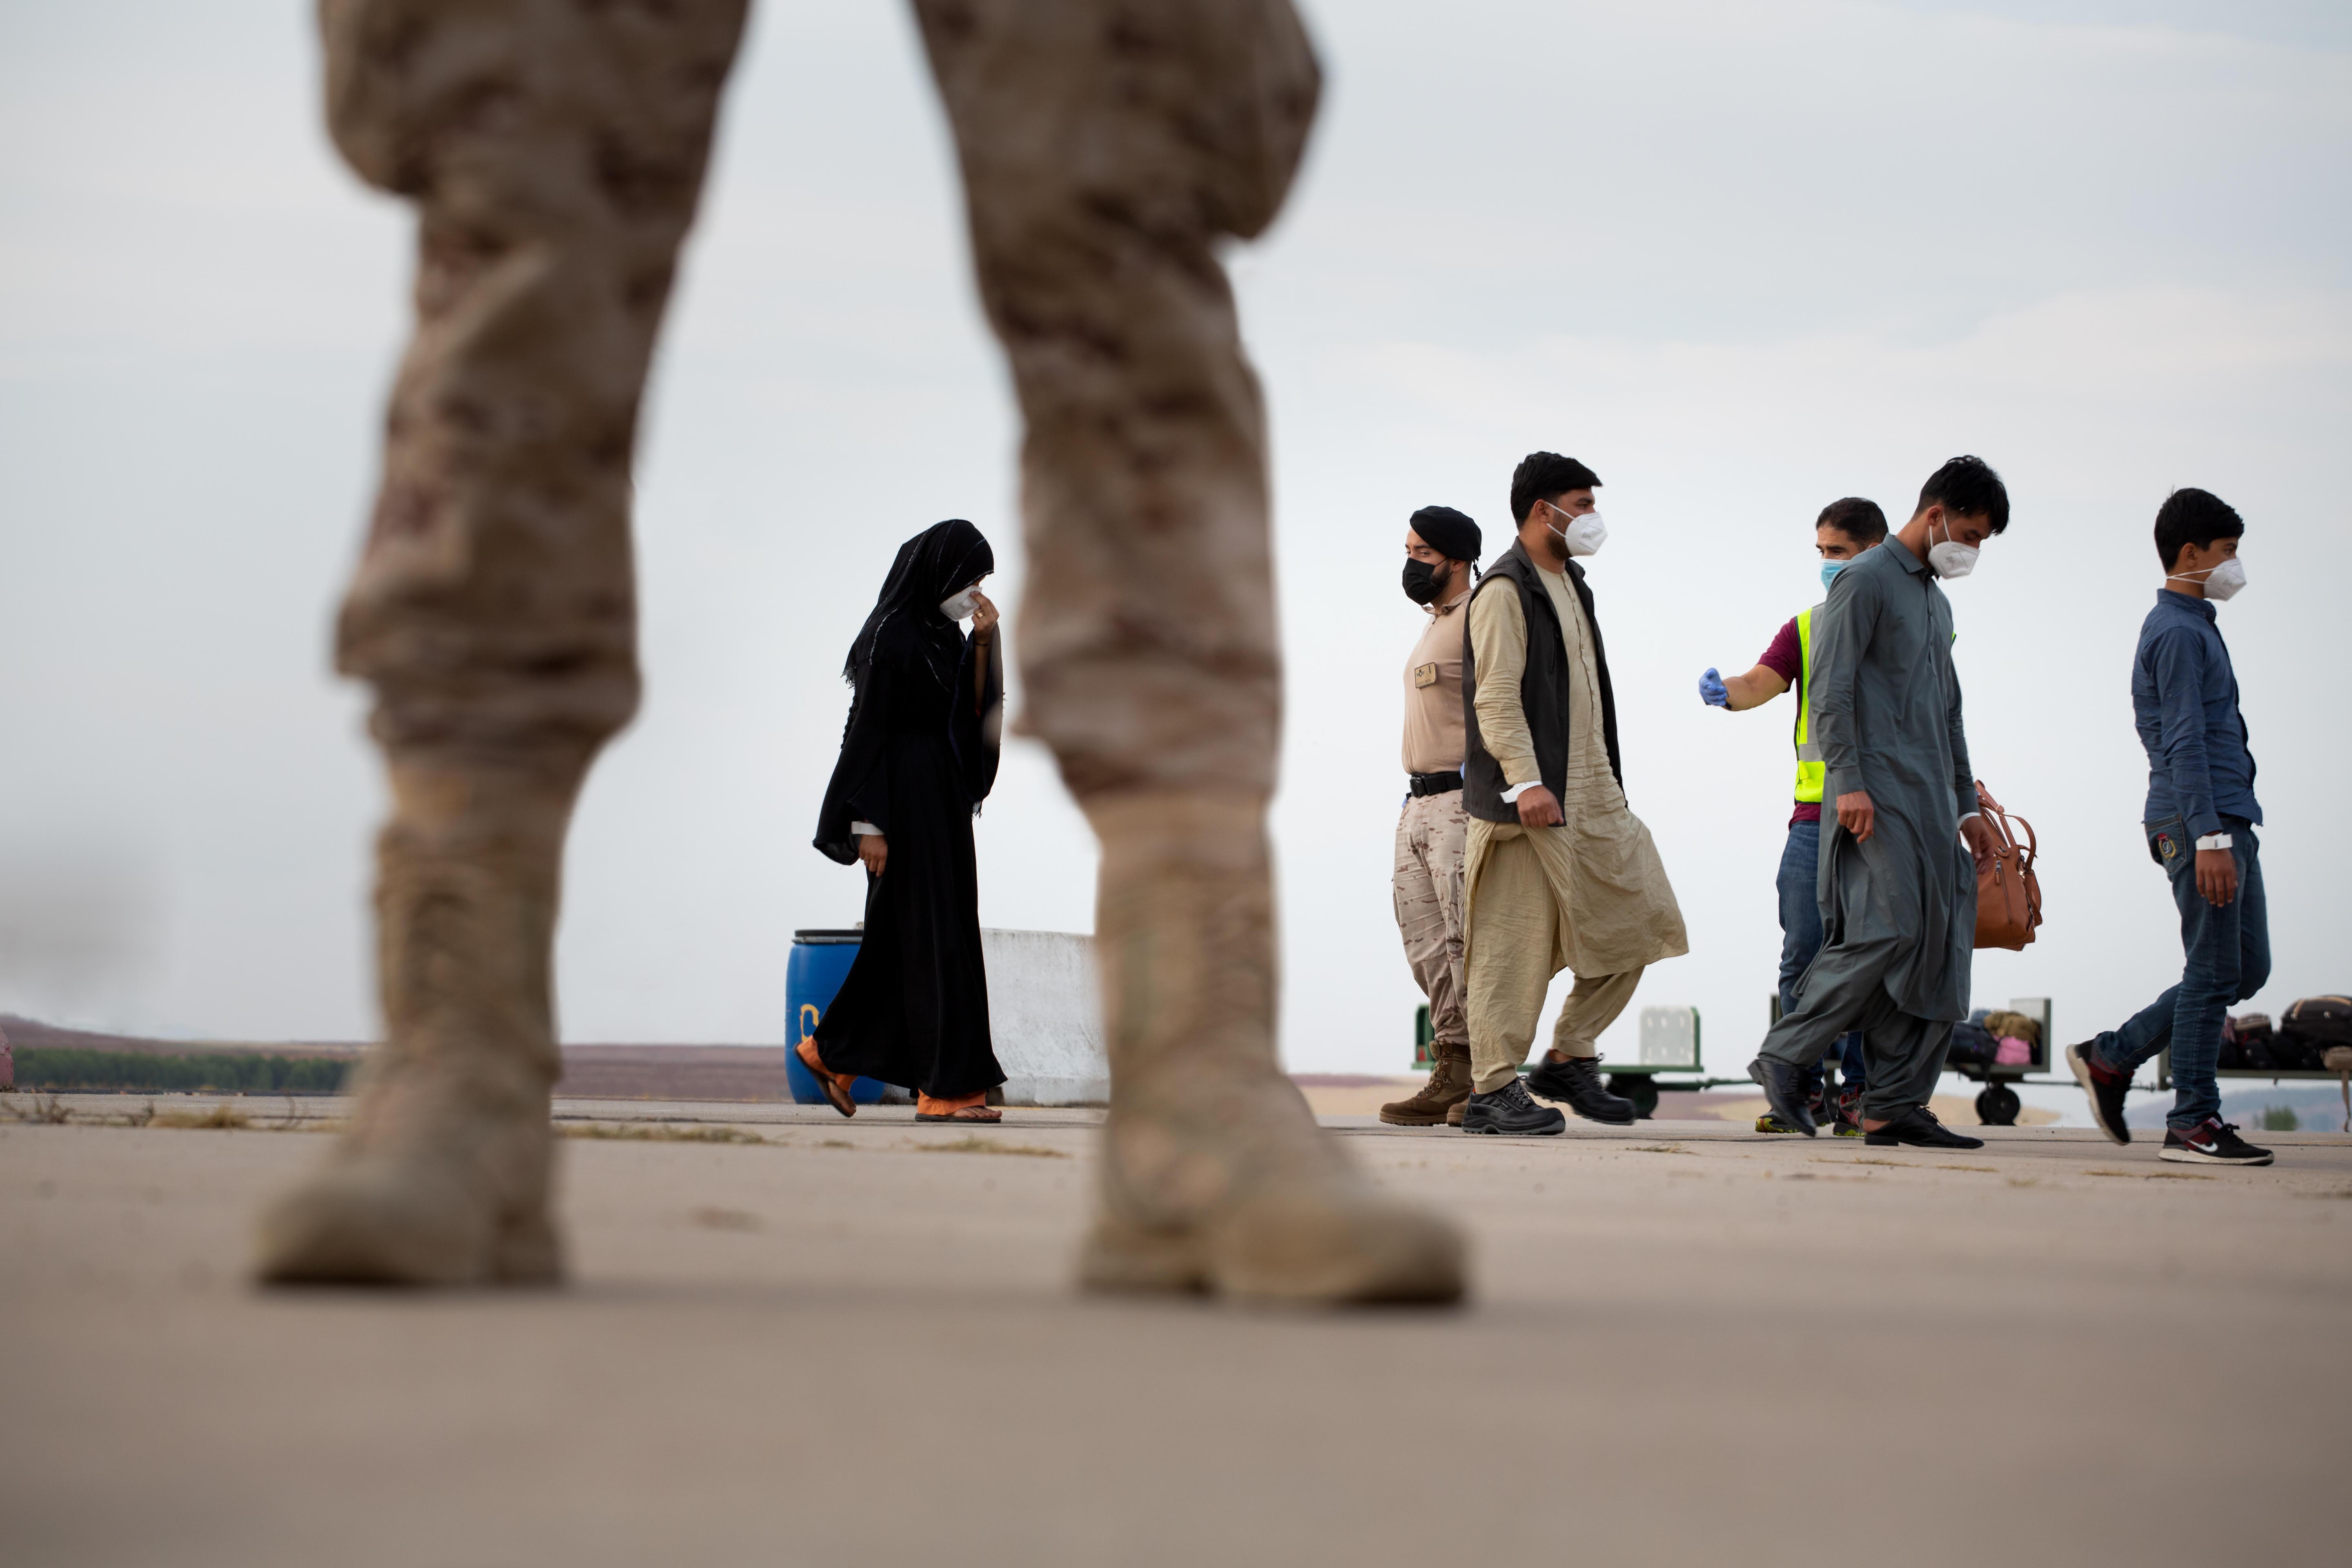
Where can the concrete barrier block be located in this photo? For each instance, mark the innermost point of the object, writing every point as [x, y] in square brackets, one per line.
[1044, 1013]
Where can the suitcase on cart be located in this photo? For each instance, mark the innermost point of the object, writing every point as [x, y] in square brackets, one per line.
[2308, 1029]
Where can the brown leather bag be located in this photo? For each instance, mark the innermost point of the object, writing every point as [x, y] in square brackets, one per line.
[2008, 896]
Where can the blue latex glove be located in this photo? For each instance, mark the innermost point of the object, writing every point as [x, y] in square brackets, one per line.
[1711, 692]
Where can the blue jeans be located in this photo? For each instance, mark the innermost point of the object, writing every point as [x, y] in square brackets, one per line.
[2229, 958]
[1800, 933]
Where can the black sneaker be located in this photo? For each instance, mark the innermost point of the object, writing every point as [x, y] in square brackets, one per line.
[1918, 1128]
[1511, 1109]
[1784, 1091]
[1575, 1083]
[1849, 1114]
[2107, 1089]
[2212, 1142]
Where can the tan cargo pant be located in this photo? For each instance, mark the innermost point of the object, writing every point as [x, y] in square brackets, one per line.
[1514, 953]
[1427, 885]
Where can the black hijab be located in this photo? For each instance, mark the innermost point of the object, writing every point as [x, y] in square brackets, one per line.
[909, 660]
[935, 565]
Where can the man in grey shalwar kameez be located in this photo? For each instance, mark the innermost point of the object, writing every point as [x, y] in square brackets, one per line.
[1898, 891]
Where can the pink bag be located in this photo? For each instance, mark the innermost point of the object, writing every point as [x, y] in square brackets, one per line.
[2012, 1052]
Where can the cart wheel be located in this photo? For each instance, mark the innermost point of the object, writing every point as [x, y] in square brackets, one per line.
[1638, 1086]
[1997, 1105]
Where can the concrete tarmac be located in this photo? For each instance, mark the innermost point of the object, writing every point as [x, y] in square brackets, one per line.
[854, 1342]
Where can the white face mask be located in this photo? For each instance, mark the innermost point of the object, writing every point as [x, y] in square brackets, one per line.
[1583, 535]
[2220, 581]
[961, 607]
[1952, 559]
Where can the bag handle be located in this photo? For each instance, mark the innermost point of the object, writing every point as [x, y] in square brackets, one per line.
[1995, 818]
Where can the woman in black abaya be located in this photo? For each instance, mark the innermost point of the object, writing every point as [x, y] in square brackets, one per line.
[918, 756]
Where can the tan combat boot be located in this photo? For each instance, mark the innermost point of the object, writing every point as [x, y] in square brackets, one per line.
[1215, 1175]
[442, 1176]
[1441, 1099]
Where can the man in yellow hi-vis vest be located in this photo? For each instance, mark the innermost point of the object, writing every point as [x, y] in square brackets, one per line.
[1844, 530]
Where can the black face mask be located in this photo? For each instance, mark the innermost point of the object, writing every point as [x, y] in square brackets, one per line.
[1421, 581]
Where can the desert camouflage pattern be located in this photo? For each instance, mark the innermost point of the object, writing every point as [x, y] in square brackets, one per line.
[554, 152]
[1432, 832]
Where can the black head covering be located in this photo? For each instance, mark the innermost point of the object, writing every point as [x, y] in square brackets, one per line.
[936, 564]
[1448, 531]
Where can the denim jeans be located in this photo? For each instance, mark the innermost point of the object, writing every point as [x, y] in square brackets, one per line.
[2229, 958]
[1800, 933]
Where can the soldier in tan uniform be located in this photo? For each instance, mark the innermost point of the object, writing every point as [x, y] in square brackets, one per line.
[1109, 149]
[1440, 551]
[1560, 873]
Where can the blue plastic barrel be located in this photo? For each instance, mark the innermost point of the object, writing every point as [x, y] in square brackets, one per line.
[820, 963]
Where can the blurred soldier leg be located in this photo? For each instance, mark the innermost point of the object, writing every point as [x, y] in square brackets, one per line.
[1427, 886]
[555, 154]
[1108, 150]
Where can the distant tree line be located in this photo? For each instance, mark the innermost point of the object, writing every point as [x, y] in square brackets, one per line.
[210, 1072]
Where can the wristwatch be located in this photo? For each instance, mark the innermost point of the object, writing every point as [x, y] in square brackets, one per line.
[2214, 841]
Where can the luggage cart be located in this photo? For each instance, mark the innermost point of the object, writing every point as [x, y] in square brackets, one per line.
[1668, 1042]
[1997, 1102]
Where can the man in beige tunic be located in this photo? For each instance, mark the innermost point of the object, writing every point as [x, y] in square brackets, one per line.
[1441, 549]
[1559, 873]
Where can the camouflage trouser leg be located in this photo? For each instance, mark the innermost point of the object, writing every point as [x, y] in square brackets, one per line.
[1109, 148]
[1427, 886]
[555, 154]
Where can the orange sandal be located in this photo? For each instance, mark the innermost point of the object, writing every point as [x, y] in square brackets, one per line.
[835, 1084]
[963, 1108]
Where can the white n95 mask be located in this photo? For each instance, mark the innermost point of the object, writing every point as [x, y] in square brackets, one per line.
[1951, 558]
[1585, 535]
[2221, 582]
[961, 607]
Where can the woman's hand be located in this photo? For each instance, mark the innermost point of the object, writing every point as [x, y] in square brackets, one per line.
[874, 850]
[983, 616]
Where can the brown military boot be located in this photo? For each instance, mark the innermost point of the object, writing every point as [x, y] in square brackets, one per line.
[1441, 1099]
[442, 1176]
[1215, 1175]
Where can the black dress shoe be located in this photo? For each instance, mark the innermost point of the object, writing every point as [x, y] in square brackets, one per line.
[1784, 1091]
[1575, 1083]
[1511, 1109]
[1919, 1127]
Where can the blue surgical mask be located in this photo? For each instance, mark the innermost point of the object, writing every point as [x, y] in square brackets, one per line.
[1830, 569]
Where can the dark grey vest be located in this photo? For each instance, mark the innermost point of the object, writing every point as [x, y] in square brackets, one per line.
[1543, 689]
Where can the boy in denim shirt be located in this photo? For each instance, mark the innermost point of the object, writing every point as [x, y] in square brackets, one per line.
[2200, 819]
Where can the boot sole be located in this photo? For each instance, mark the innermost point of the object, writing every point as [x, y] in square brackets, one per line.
[1411, 1119]
[339, 1230]
[1125, 1258]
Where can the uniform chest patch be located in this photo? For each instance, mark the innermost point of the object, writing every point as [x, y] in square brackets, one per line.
[1424, 675]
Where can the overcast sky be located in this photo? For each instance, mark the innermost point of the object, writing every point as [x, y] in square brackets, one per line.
[1742, 258]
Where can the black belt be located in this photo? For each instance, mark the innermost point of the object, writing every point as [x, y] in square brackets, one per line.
[1432, 783]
